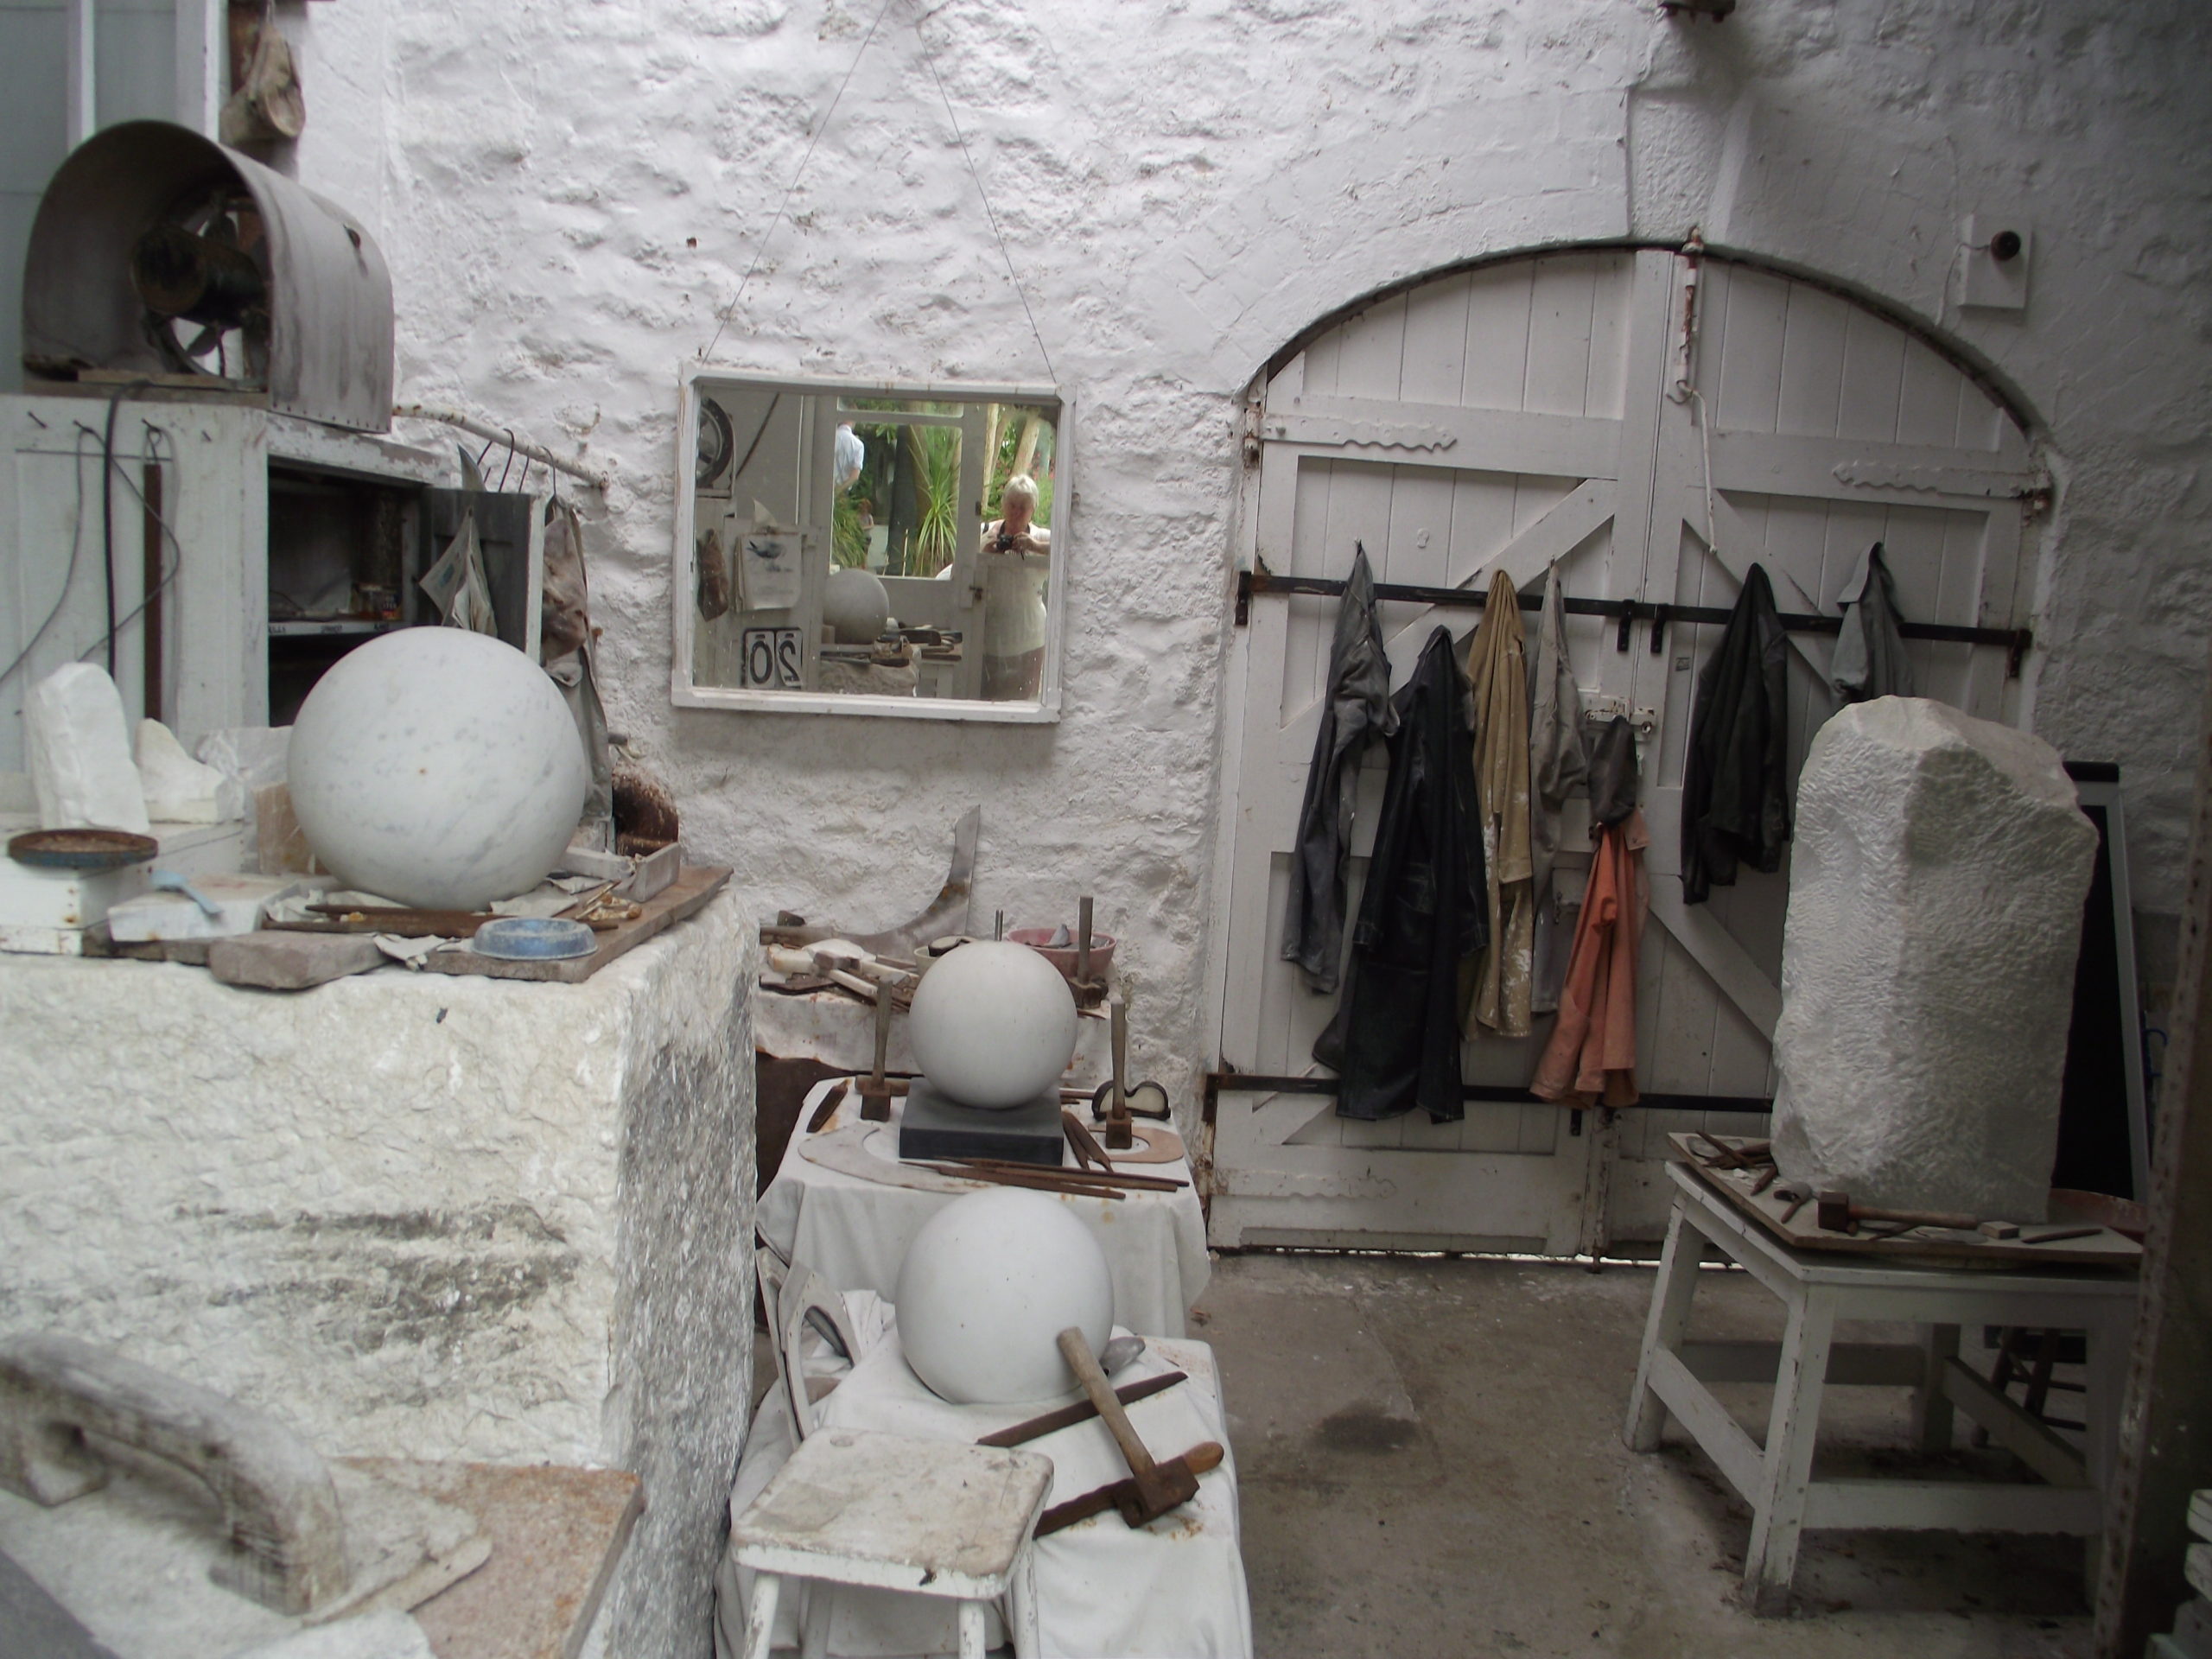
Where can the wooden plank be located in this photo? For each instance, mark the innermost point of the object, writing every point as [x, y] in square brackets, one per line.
[1436, 434]
[1719, 1435]
[2012, 1426]
[1851, 1365]
[683, 898]
[2105, 1248]
[1954, 1506]
[1798, 464]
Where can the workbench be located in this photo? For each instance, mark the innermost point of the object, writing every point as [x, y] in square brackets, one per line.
[1819, 1290]
[855, 1231]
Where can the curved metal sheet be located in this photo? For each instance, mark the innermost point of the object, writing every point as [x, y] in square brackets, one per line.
[330, 348]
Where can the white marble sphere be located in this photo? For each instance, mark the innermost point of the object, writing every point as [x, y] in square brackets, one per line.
[437, 768]
[855, 604]
[993, 1024]
[985, 1288]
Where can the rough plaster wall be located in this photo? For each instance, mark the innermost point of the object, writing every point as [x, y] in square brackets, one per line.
[413, 1215]
[566, 194]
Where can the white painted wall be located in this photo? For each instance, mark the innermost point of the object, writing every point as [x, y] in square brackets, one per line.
[566, 193]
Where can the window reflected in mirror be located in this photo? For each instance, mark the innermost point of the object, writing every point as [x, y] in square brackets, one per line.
[869, 542]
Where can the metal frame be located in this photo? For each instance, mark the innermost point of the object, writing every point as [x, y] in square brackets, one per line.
[685, 693]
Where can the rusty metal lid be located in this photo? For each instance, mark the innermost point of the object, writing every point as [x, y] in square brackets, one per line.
[81, 850]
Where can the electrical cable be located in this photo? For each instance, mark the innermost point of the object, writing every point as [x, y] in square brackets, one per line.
[722, 317]
[155, 435]
[107, 510]
[69, 577]
[750, 448]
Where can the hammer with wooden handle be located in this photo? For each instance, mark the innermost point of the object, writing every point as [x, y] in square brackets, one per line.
[1838, 1214]
[1154, 1488]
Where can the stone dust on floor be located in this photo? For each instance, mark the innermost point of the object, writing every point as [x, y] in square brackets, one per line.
[1430, 1463]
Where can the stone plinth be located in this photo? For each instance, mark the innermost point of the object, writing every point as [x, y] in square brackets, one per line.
[1936, 893]
[413, 1215]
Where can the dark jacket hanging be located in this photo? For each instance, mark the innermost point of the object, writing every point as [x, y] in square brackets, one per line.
[1736, 781]
[1356, 712]
[1395, 1042]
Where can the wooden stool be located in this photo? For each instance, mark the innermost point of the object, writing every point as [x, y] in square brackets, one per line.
[1818, 1290]
[888, 1513]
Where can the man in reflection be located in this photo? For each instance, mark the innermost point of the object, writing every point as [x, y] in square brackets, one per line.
[1016, 560]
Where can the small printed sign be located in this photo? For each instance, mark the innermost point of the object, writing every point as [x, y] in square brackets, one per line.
[772, 657]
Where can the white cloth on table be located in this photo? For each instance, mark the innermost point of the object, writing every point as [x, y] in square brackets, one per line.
[1174, 1589]
[854, 1232]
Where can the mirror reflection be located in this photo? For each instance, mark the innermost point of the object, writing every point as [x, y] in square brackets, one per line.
[848, 542]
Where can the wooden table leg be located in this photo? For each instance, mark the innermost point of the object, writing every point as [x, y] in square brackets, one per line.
[1666, 1325]
[1021, 1605]
[760, 1615]
[971, 1630]
[1931, 1406]
[1778, 1512]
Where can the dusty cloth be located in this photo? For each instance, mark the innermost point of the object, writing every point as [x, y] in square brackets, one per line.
[1558, 760]
[1355, 713]
[1870, 660]
[1496, 997]
[1736, 780]
[1591, 1058]
[1614, 779]
[1395, 1041]
[567, 649]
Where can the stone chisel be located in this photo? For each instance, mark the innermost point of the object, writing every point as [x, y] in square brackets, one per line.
[1207, 1454]
[1081, 1412]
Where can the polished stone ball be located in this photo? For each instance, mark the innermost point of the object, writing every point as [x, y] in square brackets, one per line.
[993, 1024]
[855, 604]
[437, 768]
[988, 1286]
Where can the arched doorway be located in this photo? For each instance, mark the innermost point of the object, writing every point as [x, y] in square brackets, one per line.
[1543, 409]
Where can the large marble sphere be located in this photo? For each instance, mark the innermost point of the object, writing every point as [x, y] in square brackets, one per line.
[988, 1286]
[855, 604]
[993, 1024]
[437, 768]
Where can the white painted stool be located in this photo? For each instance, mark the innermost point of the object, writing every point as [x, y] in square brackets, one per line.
[1819, 1288]
[931, 1517]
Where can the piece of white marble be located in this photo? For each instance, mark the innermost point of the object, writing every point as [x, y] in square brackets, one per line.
[179, 789]
[439, 768]
[1935, 893]
[80, 752]
[993, 1024]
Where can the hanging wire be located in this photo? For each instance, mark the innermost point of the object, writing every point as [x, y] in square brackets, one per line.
[507, 465]
[722, 318]
[989, 212]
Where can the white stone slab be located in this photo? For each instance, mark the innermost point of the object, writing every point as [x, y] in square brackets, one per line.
[1936, 893]
[79, 753]
[178, 789]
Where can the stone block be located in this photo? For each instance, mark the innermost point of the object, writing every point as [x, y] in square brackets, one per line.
[79, 753]
[278, 961]
[178, 789]
[1935, 894]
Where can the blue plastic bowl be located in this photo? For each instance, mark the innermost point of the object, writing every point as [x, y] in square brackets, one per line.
[535, 938]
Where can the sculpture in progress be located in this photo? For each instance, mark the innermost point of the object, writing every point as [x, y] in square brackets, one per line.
[1936, 895]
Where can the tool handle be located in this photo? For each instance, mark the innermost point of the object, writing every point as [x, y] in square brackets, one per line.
[1198, 1460]
[1082, 939]
[882, 1038]
[1084, 1364]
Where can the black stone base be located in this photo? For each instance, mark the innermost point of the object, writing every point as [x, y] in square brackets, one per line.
[932, 1127]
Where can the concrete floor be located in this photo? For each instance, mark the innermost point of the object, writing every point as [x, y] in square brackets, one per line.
[1430, 1461]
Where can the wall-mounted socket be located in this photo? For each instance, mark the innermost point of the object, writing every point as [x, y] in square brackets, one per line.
[1993, 259]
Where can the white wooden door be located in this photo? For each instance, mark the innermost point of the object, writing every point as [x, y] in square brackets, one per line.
[1528, 412]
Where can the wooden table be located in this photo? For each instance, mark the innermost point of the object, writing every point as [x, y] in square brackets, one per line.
[1819, 1289]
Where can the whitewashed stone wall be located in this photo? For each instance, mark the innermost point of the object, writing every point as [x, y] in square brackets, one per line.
[413, 1215]
[566, 193]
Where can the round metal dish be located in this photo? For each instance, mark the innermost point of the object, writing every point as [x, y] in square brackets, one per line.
[535, 938]
[81, 850]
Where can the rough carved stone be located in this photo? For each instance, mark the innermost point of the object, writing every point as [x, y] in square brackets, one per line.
[1935, 894]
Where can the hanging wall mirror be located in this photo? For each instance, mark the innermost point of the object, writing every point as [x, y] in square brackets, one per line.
[869, 548]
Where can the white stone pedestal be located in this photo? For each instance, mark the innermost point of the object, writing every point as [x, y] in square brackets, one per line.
[413, 1215]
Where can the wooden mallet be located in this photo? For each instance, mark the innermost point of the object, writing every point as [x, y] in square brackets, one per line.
[1153, 1489]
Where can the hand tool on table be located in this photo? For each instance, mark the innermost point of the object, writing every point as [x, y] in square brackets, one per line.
[1795, 1197]
[2052, 1234]
[1207, 1454]
[1838, 1214]
[875, 1088]
[1088, 1151]
[1153, 1488]
[827, 1109]
[1082, 1411]
[1029, 1175]
[1752, 1154]
[1076, 1177]
[1120, 1137]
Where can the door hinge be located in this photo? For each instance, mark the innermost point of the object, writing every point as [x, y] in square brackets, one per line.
[1253, 413]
